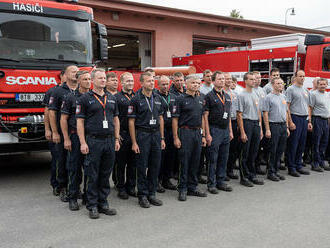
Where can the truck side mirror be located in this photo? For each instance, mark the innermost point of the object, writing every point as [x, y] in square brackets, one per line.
[102, 41]
[102, 47]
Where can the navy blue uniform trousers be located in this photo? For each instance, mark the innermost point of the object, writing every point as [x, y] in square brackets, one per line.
[61, 171]
[168, 157]
[234, 147]
[218, 156]
[296, 143]
[124, 171]
[277, 145]
[148, 162]
[249, 149]
[75, 162]
[53, 152]
[189, 156]
[320, 140]
[98, 166]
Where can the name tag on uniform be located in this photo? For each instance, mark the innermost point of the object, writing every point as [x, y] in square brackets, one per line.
[168, 114]
[105, 124]
[152, 122]
[225, 115]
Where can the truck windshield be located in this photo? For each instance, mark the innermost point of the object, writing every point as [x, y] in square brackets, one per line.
[326, 59]
[44, 40]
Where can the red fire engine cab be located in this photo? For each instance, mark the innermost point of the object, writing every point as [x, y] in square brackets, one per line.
[37, 40]
[289, 53]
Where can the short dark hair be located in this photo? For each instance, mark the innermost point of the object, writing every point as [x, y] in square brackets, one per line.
[178, 74]
[214, 75]
[149, 70]
[111, 75]
[144, 74]
[296, 73]
[80, 73]
[245, 77]
[274, 69]
[206, 71]
[66, 68]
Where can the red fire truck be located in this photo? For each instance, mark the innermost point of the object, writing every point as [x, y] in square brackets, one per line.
[289, 53]
[37, 40]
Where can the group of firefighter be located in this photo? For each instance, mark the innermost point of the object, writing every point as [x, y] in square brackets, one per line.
[185, 132]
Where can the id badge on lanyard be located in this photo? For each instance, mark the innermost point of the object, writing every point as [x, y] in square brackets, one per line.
[151, 107]
[104, 122]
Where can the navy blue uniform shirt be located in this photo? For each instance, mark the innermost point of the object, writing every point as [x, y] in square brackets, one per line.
[189, 109]
[90, 109]
[166, 102]
[69, 108]
[218, 105]
[123, 100]
[48, 93]
[139, 109]
[56, 101]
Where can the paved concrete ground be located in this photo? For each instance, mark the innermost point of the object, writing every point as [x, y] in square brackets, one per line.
[293, 213]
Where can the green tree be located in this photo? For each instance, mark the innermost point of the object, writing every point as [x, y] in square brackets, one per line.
[236, 14]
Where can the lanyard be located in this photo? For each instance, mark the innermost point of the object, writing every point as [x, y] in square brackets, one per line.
[102, 104]
[151, 104]
[126, 95]
[168, 100]
[221, 99]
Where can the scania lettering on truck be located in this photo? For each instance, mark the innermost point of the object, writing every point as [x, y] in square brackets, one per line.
[37, 40]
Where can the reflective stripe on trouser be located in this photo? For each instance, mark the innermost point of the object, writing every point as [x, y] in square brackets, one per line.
[189, 155]
[249, 149]
[98, 166]
[296, 143]
[277, 146]
[148, 162]
[218, 156]
[320, 140]
[74, 166]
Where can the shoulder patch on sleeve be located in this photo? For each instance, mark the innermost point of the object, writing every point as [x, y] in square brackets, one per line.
[130, 110]
[78, 109]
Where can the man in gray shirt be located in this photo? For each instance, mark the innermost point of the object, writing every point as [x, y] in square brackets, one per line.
[263, 151]
[207, 85]
[274, 73]
[319, 114]
[297, 98]
[275, 118]
[249, 123]
[234, 143]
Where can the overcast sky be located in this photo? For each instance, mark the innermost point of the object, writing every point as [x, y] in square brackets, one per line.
[309, 13]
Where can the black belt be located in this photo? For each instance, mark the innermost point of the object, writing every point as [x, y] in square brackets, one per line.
[254, 121]
[192, 128]
[320, 117]
[302, 116]
[218, 126]
[147, 130]
[277, 123]
[99, 136]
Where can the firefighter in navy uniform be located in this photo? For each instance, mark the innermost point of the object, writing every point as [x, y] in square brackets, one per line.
[55, 103]
[125, 182]
[51, 144]
[74, 163]
[168, 158]
[188, 135]
[98, 130]
[218, 133]
[146, 127]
